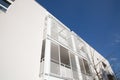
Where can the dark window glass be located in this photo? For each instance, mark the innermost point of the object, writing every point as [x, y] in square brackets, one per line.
[13, 0]
[43, 50]
[86, 66]
[55, 67]
[3, 9]
[104, 65]
[54, 52]
[82, 66]
[5, 3]
[64, 56]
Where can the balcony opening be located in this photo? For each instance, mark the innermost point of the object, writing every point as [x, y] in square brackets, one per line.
[55, 66]
[86, 67]
[60, 33]
[64, 56]
[82, 66]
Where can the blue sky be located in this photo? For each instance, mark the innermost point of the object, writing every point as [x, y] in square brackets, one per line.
[96, 21]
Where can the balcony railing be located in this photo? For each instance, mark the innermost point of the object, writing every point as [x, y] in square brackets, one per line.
[60, 69]
[63, 71]
[87, 77]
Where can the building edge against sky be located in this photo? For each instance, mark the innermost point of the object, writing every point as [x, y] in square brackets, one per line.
[25, 29]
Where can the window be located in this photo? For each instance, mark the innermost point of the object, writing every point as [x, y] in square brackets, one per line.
[86, 66]
[64, 56]
[54, 52]
[4, 4]
[104, 65]
[43, 51]
[81, 66]
[55, 67]
[66, 70]
[42, 58]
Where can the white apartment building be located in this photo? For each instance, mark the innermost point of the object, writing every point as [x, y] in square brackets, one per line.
[34, 45]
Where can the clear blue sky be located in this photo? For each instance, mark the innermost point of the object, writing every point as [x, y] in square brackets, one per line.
[96, 21]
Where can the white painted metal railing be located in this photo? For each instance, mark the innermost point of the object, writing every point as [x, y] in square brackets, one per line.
[65, 70]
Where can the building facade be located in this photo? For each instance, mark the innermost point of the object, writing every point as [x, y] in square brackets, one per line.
[37, 46]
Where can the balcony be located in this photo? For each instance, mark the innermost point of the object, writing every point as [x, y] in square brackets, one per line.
[61, 70]
[59, 32]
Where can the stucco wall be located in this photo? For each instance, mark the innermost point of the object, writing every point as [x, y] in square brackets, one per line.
[21, 30]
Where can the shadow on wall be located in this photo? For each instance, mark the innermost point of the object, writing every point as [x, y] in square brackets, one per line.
[107, 75]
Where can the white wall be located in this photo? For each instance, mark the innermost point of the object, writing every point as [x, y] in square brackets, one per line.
[20, 40]
[21, 29]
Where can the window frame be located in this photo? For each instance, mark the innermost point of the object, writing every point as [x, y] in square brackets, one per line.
[5, 4]
[63, 59]
[83, 63]
[87, 67]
